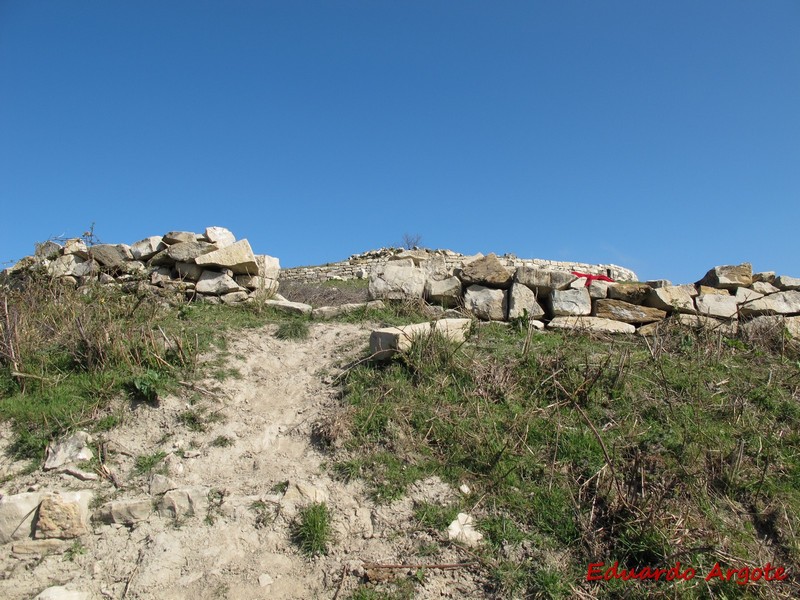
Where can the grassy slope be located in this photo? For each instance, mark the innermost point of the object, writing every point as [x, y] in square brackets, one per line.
[576, 449]
[581, 450]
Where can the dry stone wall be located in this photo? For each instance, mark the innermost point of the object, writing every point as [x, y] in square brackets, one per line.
[491, 291]
[212, 266]
[361, 266]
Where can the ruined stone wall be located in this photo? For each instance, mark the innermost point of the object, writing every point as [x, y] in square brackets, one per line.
[361, 266]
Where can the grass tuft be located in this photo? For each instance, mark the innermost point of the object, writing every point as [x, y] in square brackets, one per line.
[312, 531]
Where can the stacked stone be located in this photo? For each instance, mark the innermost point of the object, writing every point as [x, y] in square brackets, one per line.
[212, 266]
[491, 291]
[362, 266]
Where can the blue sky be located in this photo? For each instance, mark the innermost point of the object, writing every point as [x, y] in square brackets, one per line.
[661, 136]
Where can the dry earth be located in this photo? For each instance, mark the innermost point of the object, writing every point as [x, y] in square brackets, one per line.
[238, 545]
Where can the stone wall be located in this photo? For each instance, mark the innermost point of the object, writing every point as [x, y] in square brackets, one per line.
[362, 266]
[212, 266]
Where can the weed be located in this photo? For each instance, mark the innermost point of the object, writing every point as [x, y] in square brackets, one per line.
[199, 419]
[295, 329]
[145, 387]
[146, 463]
[312, 531]
[76, 549]
[222, 441]
[265, 513]
[280, 487]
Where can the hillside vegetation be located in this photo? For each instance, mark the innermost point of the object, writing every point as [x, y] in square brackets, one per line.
[570, 449]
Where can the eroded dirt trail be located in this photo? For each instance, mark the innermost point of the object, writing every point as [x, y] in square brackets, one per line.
[247, 473]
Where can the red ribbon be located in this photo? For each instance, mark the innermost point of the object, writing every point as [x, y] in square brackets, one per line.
[590, 278]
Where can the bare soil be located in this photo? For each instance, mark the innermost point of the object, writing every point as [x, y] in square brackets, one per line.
[258, 441]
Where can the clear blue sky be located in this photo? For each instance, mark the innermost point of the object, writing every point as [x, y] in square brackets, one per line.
[662, 136]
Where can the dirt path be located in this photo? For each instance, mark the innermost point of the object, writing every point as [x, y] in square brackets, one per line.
[251, 469]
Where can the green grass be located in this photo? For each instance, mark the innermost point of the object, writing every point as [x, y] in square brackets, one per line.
[312, 531]
[66, 355]
[296, 329]
[146, 463]
[605, 449]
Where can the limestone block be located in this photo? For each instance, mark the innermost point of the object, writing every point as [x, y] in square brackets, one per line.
[710, 324]
[16, 515]
[187, 252]
[486, 271]
[77, 247]
[704, 289]
[111, 255]
[716, 305]
[543, 281]
[570, 302]
[387, 341]
[328, 312]
[61, 592]
[238, 257]
[64, 515]
[292, 308]
[772, 325]
[599, 289]
[485, 303]
[72, 449]
[520, 299]
[268, 266]
[443, 293]
[597, 324]
[672, 298]
[782, 303]
[234, 297]
[658, 283]
[784, 283]
[147, 248]
[618, 310]
[219, 236]
[161, 484]
[125, 512]
[216, 284]
[188, 270]
[748, 295]
[765, 276]
[397, 281]
[762, 287]
[160, 275]
[47, 250]
[632, 293]
[161, 259]
[729, 276]
[184, 502]
[175, 237]
[65, 266]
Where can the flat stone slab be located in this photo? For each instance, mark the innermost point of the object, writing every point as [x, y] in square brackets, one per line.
[597, 324]
[328, 312]
[617, 310]
[293, 308]
[238, 257]
[782, 303]
[385, 342]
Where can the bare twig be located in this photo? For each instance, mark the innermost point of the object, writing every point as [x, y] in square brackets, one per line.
[345, 571]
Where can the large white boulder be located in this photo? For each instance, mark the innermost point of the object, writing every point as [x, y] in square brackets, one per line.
[485, 303]
[570, 302]
[397, 280]
[237, 257]
[521, 301]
